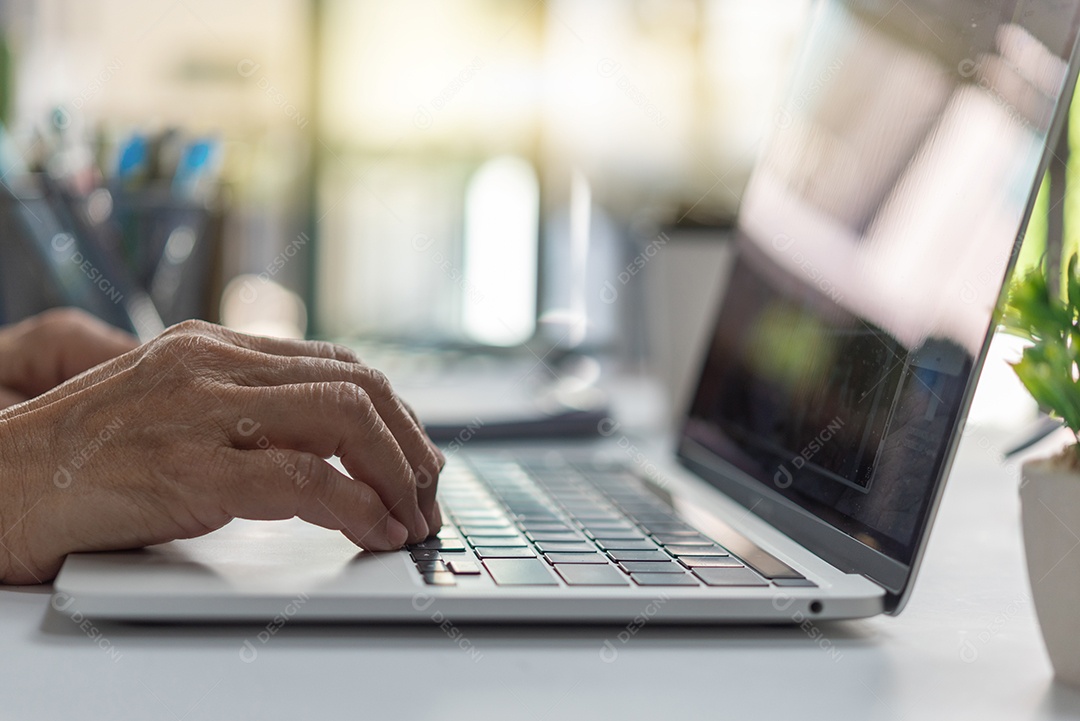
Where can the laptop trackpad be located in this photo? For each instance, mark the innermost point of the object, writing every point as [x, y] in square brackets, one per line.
[245, 557]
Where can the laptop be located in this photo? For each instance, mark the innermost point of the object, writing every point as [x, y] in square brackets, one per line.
[883, 214]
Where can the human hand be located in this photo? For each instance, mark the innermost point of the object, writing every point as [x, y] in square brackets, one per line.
[203, 425]
[42, 352]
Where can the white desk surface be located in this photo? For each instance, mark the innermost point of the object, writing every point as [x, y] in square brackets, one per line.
[967, 646]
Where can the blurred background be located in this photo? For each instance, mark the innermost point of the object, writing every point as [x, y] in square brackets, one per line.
[535, 180]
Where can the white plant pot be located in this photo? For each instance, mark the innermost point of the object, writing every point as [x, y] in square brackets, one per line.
[1050, 510]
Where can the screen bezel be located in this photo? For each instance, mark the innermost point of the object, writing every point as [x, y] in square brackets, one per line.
[817, 535]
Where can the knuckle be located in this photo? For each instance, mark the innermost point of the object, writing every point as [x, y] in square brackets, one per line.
[189, 327]
[60, 318]
[348, 394]
[369, 426]
[50, 325]
[346, 355]
[334, 351]
[366, 496]
[378, 384]
[186, 363]
[191, 346]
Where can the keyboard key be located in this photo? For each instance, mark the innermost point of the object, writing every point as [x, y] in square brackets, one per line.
[528, 507]
[599, 516]
[550, 547]
[425, 555]
[515, 542]
[439, 578]
[553, 536]
[668, 539]
[650, 519]
[474, 532]
[710, 562]
[696, 551]
[478, 523]
[503, 552]
[479, 515]
[463, 503]
[598, 527]
[663, 579]
[542, 527]
[520, 572]
[669, 528]
[729, 577]
[464, 568]
[591, 575]
[680, 530]
[604, 534]
[755, 556]
[537, 518]
[768, 565]
[638, 556]
[610, 545]
[430, 566]
[438, 544]
[576, 558]
[652, 567]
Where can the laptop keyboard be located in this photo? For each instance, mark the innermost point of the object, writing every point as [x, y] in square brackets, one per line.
[552, 523]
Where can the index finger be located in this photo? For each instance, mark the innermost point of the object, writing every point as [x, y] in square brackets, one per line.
[330, 419]
[424, 457]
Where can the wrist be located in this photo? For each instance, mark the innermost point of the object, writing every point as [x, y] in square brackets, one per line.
[23, 487]
[6, 356]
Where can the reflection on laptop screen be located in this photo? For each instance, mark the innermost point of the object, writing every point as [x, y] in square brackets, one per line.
[874, 238]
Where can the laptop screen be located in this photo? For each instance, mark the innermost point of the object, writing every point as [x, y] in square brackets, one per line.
[873, 241]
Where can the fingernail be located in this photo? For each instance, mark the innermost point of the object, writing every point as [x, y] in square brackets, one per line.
[396, 533]
[421, 523]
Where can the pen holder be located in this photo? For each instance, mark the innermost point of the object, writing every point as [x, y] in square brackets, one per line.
[172, 247]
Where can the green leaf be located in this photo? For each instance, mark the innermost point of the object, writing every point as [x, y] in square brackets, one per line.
[1050, 320]
[1072, 285]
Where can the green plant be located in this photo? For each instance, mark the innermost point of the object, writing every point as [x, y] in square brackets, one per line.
[1050, 320]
